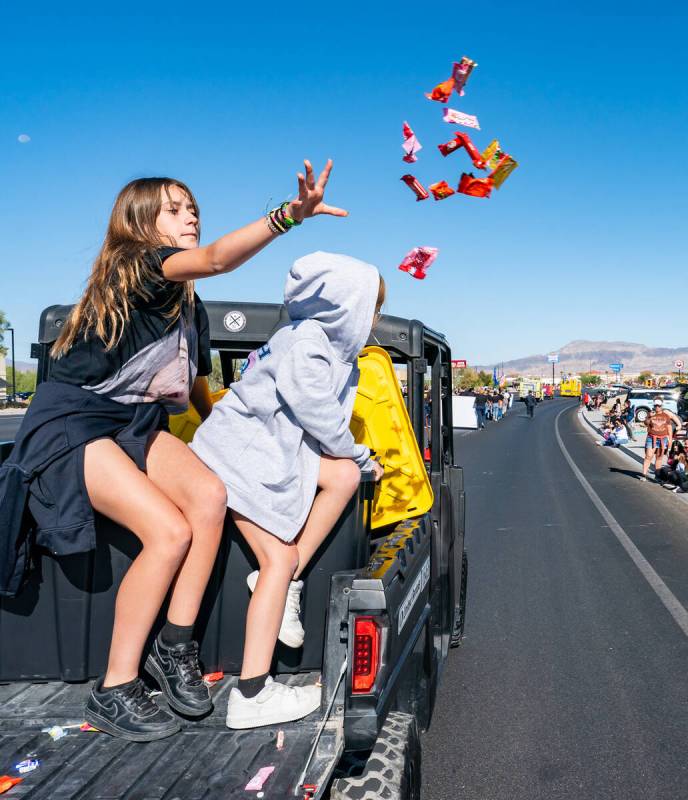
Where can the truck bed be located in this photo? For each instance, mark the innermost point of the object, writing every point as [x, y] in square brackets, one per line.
[205, 761]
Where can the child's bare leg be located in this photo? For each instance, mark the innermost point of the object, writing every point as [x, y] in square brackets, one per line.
[136, 503]
[277, 561]
[338, 480]
[201, 497]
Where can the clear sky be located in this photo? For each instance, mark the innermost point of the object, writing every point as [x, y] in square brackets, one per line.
[587, 238]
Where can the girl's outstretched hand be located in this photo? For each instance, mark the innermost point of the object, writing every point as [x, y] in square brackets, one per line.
[311, 192]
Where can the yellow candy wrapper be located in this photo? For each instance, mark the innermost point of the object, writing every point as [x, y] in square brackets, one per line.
[503, 169]
[492, 154]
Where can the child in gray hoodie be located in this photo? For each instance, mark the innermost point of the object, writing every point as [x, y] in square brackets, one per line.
[280, 441]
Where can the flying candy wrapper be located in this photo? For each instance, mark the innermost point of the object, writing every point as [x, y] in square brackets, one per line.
[416, 186]
[442, 92]
[475, 187]
[441, 190]
[455, 117]
[505, 166]
[491, 154]
[6, 783]
[411, 145]
[463, 140]
[461, 72]
[417, 261]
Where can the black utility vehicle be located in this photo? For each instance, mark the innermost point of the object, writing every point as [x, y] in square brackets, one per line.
[381, 609]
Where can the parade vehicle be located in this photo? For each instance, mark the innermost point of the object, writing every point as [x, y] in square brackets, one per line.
[530, 385]
[384, 601]
[570, 388]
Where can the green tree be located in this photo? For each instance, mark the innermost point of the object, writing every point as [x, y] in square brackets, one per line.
[590, 380]
[4, 325]
[215, 377]
[465, 379]
[26, 380]
[644, 376]
[484, 378]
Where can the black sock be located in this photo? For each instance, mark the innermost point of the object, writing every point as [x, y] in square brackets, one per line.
[250, 687]
[118, 685]
[172, 634]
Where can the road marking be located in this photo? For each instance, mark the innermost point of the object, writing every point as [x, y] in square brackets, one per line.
[668, 598]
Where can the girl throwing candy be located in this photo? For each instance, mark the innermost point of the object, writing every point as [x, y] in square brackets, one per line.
[135, 348]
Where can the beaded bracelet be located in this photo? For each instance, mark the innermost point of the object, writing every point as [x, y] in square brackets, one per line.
[279, 221]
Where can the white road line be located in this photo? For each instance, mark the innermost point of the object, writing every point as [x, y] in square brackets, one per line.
[673, 606]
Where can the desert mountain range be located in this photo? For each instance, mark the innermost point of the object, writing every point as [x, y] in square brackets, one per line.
[582, 356]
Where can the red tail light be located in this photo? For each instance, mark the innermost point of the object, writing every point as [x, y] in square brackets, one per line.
[366, 654]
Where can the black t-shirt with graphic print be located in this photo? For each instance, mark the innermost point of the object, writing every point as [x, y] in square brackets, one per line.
[154, 361]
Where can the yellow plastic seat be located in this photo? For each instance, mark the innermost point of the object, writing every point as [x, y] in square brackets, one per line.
[183, 426]
[380, 421]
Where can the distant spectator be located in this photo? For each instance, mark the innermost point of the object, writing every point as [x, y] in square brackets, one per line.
[480, 403]
[666, 474]
[627, 417]
[659, 426]
[497, 402]
[614, 434]
[530, 404]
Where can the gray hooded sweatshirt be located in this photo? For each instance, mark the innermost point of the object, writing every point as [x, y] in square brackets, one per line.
[295, 396]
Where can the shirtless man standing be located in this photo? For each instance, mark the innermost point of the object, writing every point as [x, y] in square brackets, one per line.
[659, 436]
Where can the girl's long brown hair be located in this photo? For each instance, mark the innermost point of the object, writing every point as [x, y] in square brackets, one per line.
[123, 268]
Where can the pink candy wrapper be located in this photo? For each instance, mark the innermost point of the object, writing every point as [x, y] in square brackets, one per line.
[417, 261]
[411, 145]
[258, 780]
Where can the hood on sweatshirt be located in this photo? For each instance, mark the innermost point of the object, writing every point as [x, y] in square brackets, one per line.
[339, 293]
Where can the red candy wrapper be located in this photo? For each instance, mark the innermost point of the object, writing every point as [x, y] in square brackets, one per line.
[463, 140]
[416, 186]
[441, 190]
[417, 261]
[7, 782]
[475, 187]
[461, 72]
[442, 92]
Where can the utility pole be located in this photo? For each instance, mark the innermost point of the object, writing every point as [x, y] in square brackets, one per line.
[14, 369]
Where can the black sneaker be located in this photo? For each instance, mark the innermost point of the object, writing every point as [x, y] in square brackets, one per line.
[178, 674]
[128, 713]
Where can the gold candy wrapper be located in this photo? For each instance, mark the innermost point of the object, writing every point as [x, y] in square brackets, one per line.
[503, 169]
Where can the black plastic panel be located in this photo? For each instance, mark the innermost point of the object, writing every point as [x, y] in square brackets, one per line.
[59, 626]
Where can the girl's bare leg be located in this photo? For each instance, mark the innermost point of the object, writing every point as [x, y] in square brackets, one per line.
[277, 561]
[134, 501]
[201, 497]
[338, 480]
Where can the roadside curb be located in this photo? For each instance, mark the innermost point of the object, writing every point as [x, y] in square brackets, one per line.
[626, 450]
[628, 453]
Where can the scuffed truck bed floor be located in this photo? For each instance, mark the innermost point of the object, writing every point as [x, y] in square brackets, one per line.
[206, 761]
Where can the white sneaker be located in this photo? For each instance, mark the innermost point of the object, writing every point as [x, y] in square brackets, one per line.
[291, 631]
[274, 704]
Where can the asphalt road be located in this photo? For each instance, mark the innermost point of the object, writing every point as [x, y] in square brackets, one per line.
[573, 678]
[9, 424]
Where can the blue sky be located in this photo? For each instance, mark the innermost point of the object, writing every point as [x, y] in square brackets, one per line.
[585, 235]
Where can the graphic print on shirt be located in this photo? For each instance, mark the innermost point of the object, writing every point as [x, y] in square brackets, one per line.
[253, 356]
[161, 372]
